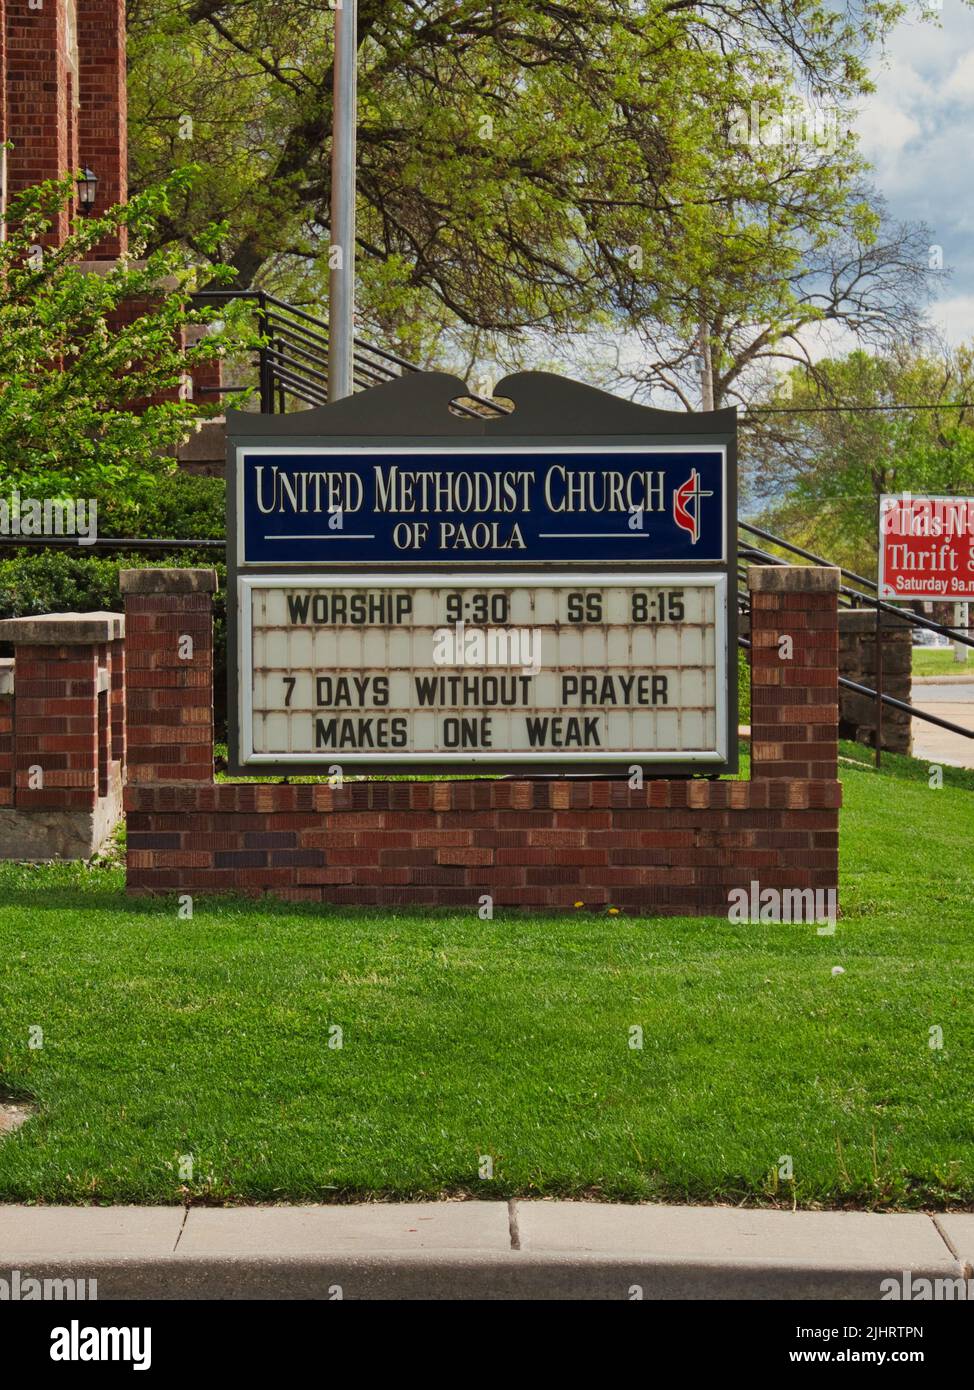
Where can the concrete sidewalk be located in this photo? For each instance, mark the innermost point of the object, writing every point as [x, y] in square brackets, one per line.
[481, 1250]
[949, 697]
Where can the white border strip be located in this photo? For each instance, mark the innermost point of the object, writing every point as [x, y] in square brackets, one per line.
[247, 583]
[495, 451]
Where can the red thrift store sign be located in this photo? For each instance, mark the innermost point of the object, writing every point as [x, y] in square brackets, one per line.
[926, 547]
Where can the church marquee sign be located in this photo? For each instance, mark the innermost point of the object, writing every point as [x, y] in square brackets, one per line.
[410, 590]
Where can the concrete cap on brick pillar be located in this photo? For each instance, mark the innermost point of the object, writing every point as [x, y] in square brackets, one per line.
[167, 581]
[792, 579]
[863, 620]
[62, 629]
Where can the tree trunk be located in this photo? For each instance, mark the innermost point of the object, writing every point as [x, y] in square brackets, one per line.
[706, 367]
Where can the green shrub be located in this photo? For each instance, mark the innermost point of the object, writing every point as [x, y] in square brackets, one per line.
[59, 581]
[743, 686]
[73, 581]
[176, 505]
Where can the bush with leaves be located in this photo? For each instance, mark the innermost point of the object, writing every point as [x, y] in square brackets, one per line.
[76, 581]
[80, 407]
[185, 507]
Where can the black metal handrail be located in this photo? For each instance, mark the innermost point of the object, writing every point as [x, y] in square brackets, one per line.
[853, 598]
[892, 701]
[906, 616]
[292, 362]
[805, 554]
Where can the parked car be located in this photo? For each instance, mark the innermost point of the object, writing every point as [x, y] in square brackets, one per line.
[923, 637]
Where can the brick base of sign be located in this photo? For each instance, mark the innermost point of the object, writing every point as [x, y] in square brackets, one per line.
[669, 847]
[673, 846]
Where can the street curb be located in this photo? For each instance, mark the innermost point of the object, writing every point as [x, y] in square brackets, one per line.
[448, 1275]
[953, 679]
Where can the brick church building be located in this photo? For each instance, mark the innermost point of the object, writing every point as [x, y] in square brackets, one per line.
[63, 100]
[63, 109]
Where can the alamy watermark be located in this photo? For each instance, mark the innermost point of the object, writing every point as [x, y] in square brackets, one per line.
[757, 904]
[24, 1288]
[928, 517]
[461, 645]
[906, 1287]
[49, 516]
[787, 125]
[77, 1343]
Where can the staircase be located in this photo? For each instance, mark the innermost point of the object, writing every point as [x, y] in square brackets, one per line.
[292, 372]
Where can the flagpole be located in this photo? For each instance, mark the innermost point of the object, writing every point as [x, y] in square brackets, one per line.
[341, 278]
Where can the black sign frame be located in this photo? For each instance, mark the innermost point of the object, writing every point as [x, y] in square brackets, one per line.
[550, 410]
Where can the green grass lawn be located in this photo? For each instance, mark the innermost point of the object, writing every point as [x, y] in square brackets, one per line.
[939, 661]
[509, 1038]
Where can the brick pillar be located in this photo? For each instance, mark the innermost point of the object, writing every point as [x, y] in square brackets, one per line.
[6, 731]
[794, 671]
[116, 656]
[37, 98]
[169, 704]
[60, 752]
[857, 662]
[102, 116]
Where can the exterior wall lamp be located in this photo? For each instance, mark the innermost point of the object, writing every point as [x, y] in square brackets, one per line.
[87, 188]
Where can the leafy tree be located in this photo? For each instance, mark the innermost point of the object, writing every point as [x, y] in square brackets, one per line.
[524, 167]
[834, 260]
[92, 374]
[839, 434]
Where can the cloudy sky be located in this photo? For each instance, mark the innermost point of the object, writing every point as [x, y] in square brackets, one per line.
[918, 131]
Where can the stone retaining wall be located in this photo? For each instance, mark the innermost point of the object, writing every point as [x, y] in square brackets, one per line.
[857, 662]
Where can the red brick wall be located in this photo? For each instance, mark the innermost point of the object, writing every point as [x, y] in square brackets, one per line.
[169, 735]
[3, 76]
[103, 113]
[116, 711]
[673, 846]
[60, 121]
[794, 698]
[55, 726]
[37, 99]
[207, 376]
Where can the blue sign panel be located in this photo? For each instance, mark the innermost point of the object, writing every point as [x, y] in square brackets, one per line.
[630, 503]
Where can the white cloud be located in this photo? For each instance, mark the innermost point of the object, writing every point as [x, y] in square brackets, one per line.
[959, 86]
[955, 318]
[917, 129]
[884, 130]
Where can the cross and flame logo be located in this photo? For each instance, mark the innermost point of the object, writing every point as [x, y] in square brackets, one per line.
[686, 505]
